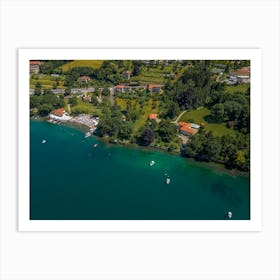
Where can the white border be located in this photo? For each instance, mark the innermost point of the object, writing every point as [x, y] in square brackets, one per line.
[254, 224]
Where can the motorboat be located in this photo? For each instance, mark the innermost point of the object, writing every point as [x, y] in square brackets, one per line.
[44, 141]
[87, 134]
[167, 181]
[229, 214]
[95, 145]
[152, 163]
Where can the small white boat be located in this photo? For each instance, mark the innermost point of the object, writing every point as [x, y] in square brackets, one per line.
[87, 134]
[95, 145]
[44, 141]
[152, 163]
[229, 214]
[167, 181]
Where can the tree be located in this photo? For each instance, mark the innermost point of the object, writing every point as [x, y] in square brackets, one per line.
[37, 89]
[186, 98]
[173, 110]
[147, 137]
[126, 130]
[217, 112]
[166, 130]
[106, 92]
[232, 110]
[74, 101]
[45, 109]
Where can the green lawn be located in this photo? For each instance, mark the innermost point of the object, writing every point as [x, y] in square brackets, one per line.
[95, 64]
[45, 84]
[238, 88]
[84, 107]
[198, 116]
[145, 112]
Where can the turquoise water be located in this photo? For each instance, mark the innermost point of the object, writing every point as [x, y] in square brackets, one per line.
[72, 180]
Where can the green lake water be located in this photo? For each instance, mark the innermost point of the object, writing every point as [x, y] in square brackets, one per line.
[72, 180]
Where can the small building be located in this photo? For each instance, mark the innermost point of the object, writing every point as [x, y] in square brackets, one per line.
[84, 79]
[153, 116]
[122, 88]
[188, 129]
[34, 66]
[59, 115]
[154, 87]
[242, 73]
[127, 74]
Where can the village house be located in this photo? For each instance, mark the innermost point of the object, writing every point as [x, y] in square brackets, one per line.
[154, 87]
[84, 79]
[122, 88]
[153, 116]
[243, 73]
[34, 66]
[188, 129]
[59, 115]
[127, 74]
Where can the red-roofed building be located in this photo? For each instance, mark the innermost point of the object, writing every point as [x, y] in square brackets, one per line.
[153, 116]
[84, 79]
[122, 88]
[34, 66]
[187, 128]
[59, 115]
[154, 87]
[243, 73]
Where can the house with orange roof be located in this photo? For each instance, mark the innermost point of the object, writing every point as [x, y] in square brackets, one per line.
[188, 129]
[243, 73]
[59, 115]
[153, 116]
[34, 66]
[154, 87]
[84, 79]
[122, 88]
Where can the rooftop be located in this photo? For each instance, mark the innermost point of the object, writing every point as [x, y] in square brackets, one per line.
[58, 112]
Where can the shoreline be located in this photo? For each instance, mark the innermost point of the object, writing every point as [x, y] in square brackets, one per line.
[213, 165]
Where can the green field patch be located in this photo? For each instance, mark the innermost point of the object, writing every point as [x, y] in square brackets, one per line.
[243, 88]
[95, 64]
[86, 108]
[198, 116]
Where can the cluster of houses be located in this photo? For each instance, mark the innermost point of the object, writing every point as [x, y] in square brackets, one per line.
[60, 115]
[185, 128]
[241, 75]
[34, 66]
[125, 88]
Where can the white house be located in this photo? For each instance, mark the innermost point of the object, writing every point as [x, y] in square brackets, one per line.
[59, 115]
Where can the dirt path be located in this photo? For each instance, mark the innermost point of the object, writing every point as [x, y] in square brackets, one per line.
[178, 118]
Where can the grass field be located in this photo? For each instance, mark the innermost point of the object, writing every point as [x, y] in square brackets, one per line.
[154, 75]
[45, 84]
[95, 64]
[84, 107]
[145, 112]
[198, 116]
[238, 88]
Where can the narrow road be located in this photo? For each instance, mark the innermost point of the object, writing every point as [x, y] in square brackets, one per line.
[176, 121]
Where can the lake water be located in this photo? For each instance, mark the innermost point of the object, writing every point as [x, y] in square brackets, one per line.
[72, 180]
